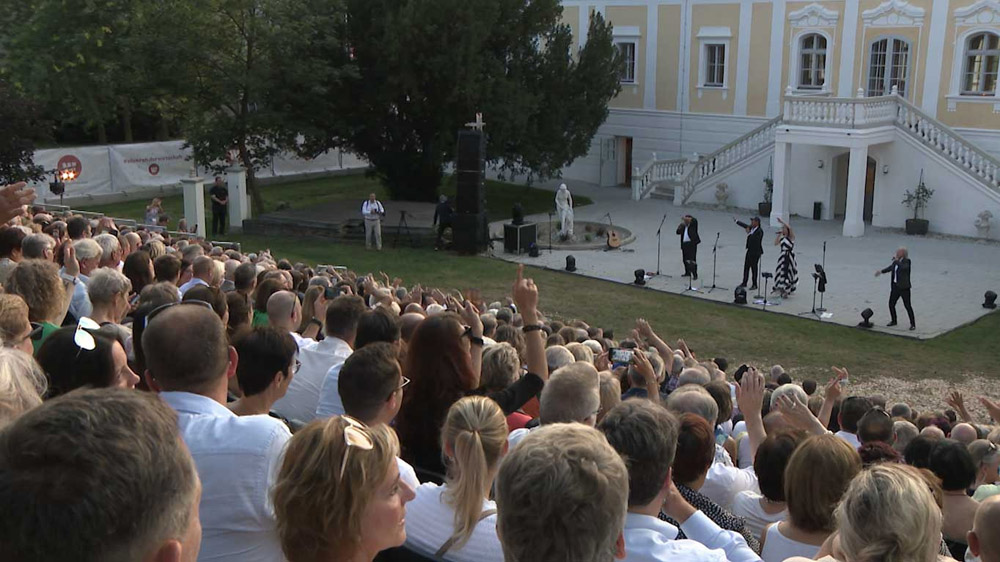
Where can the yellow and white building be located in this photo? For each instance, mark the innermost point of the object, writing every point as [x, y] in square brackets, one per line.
[842, 102]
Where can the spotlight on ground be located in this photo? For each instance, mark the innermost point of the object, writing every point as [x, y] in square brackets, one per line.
[640, 277]
[740, 295]
[991, 300]
[570, 263]
[866, 318]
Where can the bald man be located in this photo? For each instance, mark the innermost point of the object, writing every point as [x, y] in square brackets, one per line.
[284, 312]
[964, 433]
[984, 539]
[203, 272]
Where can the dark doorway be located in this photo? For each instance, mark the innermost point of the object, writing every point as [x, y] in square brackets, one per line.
[869, 190]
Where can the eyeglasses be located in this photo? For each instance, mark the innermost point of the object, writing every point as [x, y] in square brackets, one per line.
[298, 365]
[355, 435]
[152, 313]
[467, 332]
[402, 385]
[34, 334]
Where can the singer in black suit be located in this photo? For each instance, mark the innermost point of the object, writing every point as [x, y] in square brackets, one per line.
[688, 231]
[755, 249]
[900, 285]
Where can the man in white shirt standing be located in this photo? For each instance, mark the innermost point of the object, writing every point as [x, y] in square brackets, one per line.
[189, 362]
[203, 271]
[303, 395]
[646, 434]
[373, 211]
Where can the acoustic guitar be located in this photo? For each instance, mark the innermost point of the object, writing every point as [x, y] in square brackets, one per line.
[614, 241]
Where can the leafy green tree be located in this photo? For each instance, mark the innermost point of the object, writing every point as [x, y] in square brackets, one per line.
[21, 126]
[425, 68]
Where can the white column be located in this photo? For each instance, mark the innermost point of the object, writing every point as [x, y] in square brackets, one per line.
[857, 169]
[933, 64]
[780, 195]
[194, 203]
[743, 58]
[239, 201]
[845, 77]
[777, 52]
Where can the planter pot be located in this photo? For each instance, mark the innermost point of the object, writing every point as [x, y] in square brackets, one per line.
[764, 210]
[917, 226]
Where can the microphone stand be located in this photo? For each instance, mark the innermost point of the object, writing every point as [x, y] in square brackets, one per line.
[820, 309]
[715, 247]
[550, 232]
[658, 236]
[756, 277]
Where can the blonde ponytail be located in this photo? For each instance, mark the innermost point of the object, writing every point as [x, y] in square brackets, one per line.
[475, 431]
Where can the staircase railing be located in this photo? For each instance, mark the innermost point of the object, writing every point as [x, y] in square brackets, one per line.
[750, 144]
[948, 143]
[844, 113]
[645, 179]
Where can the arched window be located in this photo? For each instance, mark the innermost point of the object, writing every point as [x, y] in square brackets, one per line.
[889, 65]
[812, 62]
[982, 64]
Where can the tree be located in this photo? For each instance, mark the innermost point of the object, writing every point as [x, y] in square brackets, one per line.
[22, 125]
[247, 73]
[425, 68]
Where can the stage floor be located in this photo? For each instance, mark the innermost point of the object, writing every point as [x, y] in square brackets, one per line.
[949, 276]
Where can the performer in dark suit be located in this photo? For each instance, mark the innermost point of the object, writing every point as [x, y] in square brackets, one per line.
[688, 231]
[900, 285]
[755, 249]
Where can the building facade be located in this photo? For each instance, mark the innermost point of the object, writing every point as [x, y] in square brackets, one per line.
[841, 103]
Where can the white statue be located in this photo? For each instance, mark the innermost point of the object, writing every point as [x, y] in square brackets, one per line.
[564, 206]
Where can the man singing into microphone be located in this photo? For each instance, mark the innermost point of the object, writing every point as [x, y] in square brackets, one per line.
[900, 285]
[755, 249]
[688, 231]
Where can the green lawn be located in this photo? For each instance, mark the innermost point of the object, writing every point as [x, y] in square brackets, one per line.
[711, 329]
[500, 197]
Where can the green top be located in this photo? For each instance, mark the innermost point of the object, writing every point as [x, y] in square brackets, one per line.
[259, 318]
[47, 329]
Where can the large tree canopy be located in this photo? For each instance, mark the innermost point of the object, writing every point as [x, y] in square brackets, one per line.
[20, 126]
[425, 68]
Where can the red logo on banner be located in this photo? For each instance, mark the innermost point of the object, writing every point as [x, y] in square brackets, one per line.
[154, 169]
[70, 163]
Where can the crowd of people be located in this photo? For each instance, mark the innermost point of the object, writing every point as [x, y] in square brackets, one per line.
[162, 399]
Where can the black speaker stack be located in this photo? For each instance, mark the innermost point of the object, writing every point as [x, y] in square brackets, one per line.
[470, 226]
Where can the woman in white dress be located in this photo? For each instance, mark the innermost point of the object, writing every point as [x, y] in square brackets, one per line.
[457, 521]
[816, 478]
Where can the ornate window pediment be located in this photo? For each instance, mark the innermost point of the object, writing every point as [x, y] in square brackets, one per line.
[894, 13]
[813, 15]
[982, 12]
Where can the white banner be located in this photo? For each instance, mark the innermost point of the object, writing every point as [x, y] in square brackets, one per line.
[125, 168]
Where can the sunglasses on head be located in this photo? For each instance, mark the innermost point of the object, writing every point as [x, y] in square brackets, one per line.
[355, 435]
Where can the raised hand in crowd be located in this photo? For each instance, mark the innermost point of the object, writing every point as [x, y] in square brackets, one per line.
[644, 367]
[524, 293]
[957, 402]
[750, 399]
[992, 407]
[13, 198]
[832, 394]
[646, 331]
[798, 414]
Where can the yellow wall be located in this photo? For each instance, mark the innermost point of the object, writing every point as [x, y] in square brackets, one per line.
[666, 57]
[571, 17]
[714, 15]
[966, 114]
[631, 16]
[917, 37]
[760, 53]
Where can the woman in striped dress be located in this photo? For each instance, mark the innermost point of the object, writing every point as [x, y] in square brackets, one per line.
[786, 277]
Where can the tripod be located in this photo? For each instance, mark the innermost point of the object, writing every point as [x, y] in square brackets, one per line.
[659, 232]
[767, 276]
[760, 260]
[715, 247]
[691, 264]
[399, 230]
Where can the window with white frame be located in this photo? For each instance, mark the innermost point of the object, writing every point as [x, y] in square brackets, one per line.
[888, 66]
[812, 62]
[715, 65]
[627, 50]
[982, 65]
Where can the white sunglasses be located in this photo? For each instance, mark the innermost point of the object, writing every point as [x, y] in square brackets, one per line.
[84, 339]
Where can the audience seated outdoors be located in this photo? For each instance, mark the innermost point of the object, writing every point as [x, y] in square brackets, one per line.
[163, 399]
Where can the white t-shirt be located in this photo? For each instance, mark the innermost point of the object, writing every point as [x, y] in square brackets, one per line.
[430, 522]
[851, 438]
[778, 547]
[747, 505]
[302, 397]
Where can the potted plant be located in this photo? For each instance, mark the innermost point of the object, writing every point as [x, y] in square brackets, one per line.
[917, 200]
[764, 207]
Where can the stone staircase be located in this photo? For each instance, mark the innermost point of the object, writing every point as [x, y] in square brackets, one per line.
[679, 179]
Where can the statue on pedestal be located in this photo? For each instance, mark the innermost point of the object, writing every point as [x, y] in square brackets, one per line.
[564, 206]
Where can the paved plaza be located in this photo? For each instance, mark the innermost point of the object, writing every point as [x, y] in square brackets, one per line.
[949, 276]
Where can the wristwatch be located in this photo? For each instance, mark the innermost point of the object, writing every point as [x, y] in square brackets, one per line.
[69, 278]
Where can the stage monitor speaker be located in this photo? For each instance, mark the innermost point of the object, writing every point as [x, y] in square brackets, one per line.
[518, 238]
[470, 232]
[470, 192]
[471, 151]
